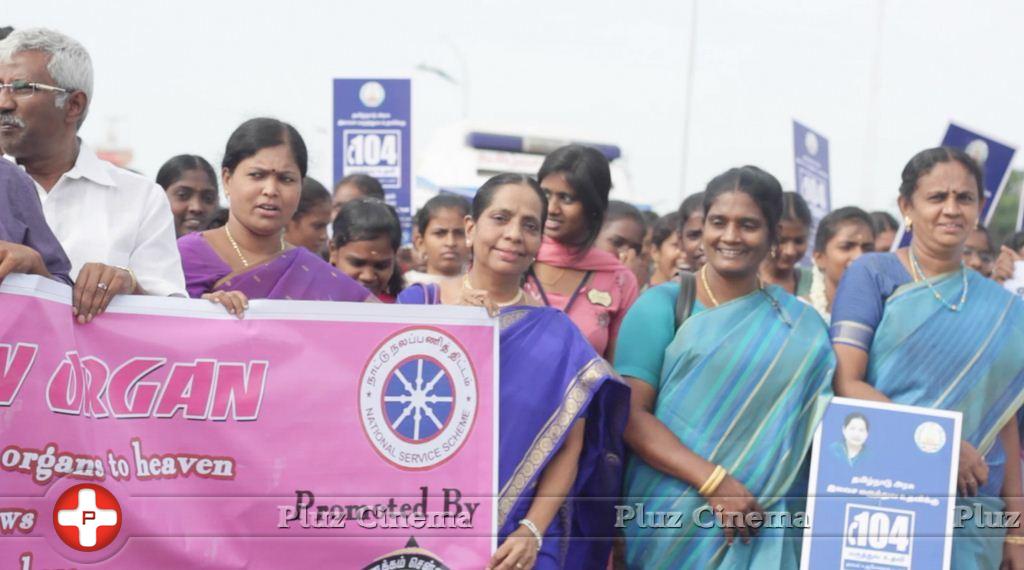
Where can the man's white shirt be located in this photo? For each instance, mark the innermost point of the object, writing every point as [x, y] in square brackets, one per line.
[105, 214]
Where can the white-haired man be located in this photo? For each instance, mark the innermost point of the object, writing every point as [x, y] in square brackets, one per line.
[115, 226]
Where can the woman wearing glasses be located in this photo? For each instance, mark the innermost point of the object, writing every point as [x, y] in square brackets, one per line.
[979, 252]
[917, 327]
[248, 258]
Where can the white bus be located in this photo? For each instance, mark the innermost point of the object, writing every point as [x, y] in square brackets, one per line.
[460, 158]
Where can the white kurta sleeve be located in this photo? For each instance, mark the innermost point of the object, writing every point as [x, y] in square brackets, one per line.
[155, 258]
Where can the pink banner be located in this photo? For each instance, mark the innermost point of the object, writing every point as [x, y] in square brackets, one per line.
[168, 434]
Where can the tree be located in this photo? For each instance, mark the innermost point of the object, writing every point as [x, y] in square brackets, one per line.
[1004, 221]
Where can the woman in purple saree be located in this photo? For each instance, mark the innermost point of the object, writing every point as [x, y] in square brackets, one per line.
[294, 274]
[562, 408]
[263, 167]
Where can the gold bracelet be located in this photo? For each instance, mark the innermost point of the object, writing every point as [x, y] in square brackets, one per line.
[713, 481]
[1015, 540]
[131, 275]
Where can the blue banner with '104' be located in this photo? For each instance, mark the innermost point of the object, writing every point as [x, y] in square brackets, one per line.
[882, 487]
[372, 136]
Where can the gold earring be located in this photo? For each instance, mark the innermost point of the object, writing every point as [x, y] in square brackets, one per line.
[908, 222]
[774, 252]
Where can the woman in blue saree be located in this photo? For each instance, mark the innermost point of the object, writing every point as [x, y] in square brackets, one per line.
[917, 327]
[562, 409]
[723, 409]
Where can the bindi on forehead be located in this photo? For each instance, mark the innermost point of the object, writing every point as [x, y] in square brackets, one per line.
[956, 191]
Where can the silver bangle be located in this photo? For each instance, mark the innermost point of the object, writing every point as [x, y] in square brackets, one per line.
[134, 283]
[536, 533]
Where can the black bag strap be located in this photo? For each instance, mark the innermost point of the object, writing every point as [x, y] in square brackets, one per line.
[687, 296]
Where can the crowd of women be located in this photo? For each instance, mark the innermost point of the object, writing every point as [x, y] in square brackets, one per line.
[677, 362]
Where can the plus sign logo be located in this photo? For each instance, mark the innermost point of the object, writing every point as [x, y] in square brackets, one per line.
[87, 517]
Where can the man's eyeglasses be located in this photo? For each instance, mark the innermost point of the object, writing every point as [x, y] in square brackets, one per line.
[21, 89]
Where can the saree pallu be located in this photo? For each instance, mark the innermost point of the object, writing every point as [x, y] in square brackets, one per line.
[970, 361]
[296, 274]
[744, 386]
[550, 378]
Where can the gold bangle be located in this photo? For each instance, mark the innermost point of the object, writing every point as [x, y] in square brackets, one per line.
[713, 481]
[1015, 540]
[718, 482]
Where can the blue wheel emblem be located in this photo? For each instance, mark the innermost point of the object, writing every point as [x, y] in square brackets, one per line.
[418, 399]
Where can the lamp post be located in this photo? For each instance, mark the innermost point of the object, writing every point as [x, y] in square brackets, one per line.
[462, 81]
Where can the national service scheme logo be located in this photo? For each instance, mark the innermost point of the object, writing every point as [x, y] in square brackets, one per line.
[417, 398]
[372, 94]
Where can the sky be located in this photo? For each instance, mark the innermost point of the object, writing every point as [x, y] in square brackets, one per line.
[879, 79]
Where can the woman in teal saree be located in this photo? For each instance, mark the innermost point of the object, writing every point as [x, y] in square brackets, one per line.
[723, 410]
[917, 327]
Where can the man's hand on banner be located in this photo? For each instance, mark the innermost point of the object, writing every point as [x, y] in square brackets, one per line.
[17, 258]
[95, 286]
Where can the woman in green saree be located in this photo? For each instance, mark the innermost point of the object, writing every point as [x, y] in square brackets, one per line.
[917, 327]
[722, 409]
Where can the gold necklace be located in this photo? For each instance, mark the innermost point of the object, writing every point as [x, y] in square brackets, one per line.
[707, 286]
[515, 300]
[238, 250]
[704, 281]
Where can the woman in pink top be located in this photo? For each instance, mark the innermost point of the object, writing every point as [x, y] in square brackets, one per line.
[591, 286]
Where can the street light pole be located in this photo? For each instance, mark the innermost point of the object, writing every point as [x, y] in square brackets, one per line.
[461, 82]
[687, 109]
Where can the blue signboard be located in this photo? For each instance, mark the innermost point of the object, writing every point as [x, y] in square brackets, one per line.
[810, 157]
[994, 158]
[882, 488]
[372, 135]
